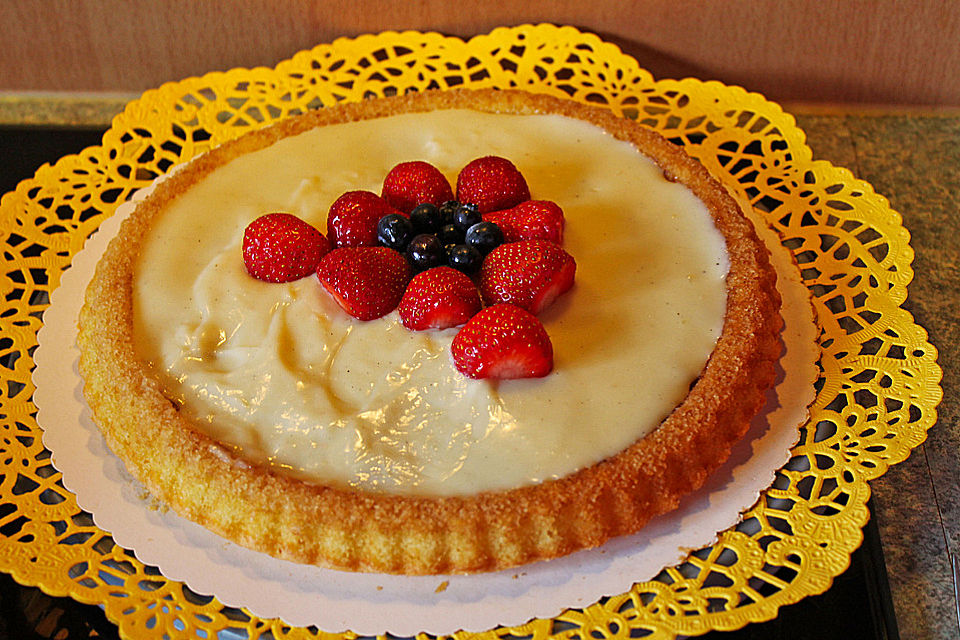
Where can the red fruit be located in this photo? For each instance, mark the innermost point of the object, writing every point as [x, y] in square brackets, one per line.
[503, 341]
[530, 274]
[367, 282]
[411, 183]
[352, 220]
[492, 183]
[280, 247]
[439, 298]
[529, 220]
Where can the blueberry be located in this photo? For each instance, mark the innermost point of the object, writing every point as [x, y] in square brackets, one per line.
[484, 237]
[447, 211]
[425, 218]
[394, 231]
[425, 251]
[450, 234]
[466, 216]
[464, 258]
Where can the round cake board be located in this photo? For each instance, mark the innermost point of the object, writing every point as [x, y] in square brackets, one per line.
[369, 604]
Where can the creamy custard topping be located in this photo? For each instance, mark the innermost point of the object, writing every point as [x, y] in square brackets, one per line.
[281, 372]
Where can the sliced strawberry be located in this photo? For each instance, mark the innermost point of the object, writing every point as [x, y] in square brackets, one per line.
[492, 183]
[530, 220]
[503, 341]
[439, 298]
[280, 247]
[367, 282]
[530, 274]
[411, 183]
[352, 220]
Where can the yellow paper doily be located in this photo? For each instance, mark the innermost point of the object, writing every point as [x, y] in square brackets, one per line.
[877, 392]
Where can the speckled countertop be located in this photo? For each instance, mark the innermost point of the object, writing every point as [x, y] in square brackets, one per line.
[912, 158]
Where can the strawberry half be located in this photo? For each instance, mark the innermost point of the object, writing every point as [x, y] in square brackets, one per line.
[439, 298]
[411, 183]
[530, 220]
[367, 282]
[530, 274]
[492, 183]
[280, 247]
[503, 341]
[352, 220]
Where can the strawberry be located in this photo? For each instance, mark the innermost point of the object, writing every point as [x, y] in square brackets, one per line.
[530, 274]
[503, 341]
[528, 220]
[492, 183]
[367, 282]
[411, 183]
[352, 220]
[280, 247]
[439, 298]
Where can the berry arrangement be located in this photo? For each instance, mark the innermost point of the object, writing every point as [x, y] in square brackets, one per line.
[486, 258]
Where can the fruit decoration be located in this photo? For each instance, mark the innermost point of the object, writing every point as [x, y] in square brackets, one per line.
[465, 215]
[447, 211]
[395, 231]
[492, 183]
[437, 259]
[484, 237]
[439, 299]
[503, 342]
[353, 217]
[426, 218]
[449, 234]
[530, 220]
[280, 247]
[412, 183]
[367, 282]
[530, 274]
[463, 258]
[425, 252]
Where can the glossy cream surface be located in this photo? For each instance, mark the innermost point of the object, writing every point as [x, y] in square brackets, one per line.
[281, 372]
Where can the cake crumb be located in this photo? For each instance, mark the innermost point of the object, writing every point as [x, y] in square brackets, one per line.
[442, 586]
[379, 587]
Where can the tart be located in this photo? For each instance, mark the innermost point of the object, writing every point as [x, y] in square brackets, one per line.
[397, 486]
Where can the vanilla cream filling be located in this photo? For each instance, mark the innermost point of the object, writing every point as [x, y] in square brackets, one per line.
[281, 372]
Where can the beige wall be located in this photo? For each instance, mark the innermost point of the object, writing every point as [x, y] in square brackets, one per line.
[881, 52]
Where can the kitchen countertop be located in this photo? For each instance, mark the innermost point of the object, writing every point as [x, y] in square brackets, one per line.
[912, 158]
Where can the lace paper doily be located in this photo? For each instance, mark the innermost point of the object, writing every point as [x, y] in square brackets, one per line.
[877, 393]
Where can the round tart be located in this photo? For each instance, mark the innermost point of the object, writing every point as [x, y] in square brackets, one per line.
[295, 498]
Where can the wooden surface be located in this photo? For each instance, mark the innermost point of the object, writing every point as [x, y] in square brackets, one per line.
[857, 51]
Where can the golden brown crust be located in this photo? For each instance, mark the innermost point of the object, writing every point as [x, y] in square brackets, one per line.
[260, 508]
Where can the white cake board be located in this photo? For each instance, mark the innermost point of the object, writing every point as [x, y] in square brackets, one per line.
[369, 604]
